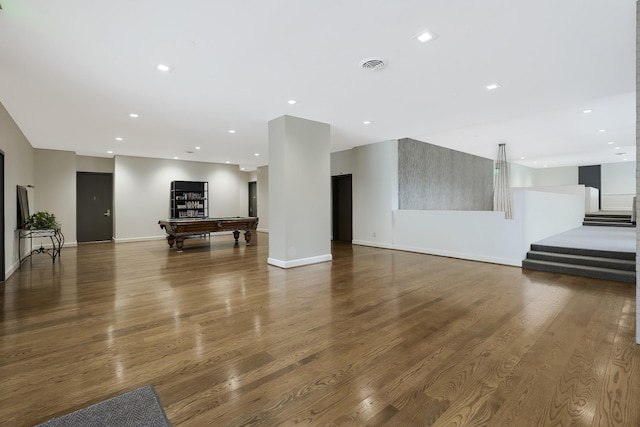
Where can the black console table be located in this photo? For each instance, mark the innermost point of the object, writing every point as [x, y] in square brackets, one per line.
[54, 234]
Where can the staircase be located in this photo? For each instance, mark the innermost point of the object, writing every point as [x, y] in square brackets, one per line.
[609, 265]
[608, 220]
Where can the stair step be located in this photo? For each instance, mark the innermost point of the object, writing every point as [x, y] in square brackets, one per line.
[580, 270]
[607, 219]
[584, 252]
[615, 264]
[608, 224]
[592, 215]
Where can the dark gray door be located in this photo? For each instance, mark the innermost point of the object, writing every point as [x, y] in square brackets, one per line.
[94, 208]
[342, 208]
[253, 198]
[590, 176]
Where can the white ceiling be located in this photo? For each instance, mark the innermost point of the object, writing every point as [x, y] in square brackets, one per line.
[71, 72]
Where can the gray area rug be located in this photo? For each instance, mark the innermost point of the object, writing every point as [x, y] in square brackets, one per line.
[140, 407]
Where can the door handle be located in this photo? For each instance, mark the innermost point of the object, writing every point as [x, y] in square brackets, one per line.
[108, 212]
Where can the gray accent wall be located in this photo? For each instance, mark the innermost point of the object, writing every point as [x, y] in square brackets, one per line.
[431, 177]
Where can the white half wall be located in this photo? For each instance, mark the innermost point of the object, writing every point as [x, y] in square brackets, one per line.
[142, 192]
[618, 185]
[95, 164]
[18, 170]
[487, 236]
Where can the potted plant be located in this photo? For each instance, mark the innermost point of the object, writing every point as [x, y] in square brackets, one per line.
[41, 220]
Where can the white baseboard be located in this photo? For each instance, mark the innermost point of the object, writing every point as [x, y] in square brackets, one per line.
[299, 262]
[139, 239]
[438, 252]
[263, 230]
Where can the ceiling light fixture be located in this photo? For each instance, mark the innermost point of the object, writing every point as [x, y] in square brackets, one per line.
[165, 68]
[366, 122]
[602, 130]
[109, 152]
[256, 154]
[425, 36]
[133, 115]
[232, 131]
[292, 101]
[521, 158]
[197, 148]
[227, 162]
[118, 138]
[587, 111]
[610, 143]
[617, 148]
[175, 158]
[493, 86]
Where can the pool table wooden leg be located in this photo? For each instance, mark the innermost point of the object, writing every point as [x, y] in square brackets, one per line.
[236, 235]
[179, 243]
[171, 240]
[247, 237]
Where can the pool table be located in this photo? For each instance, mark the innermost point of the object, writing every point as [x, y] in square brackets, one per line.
[178, 228]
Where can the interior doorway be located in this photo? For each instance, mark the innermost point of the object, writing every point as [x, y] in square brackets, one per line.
[590, 176]
[342, 207]
[94, 207]
[253, 198]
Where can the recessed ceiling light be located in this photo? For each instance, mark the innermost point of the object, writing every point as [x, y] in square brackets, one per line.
[610, 143]
[118, 138]
[197, 148]
[292, 101]
[366, 122]
[545, 166]
[493, 86]
[425, 36]
[165, 68]
[110, 152]
[587, 111]
[617, 148]
[625, 159]
[535, 163]
[133, 115]
[232, 131]
[241, 169]
[521, 158]
[602, 130]
[175, 158]
[227, 162]
[256, 154]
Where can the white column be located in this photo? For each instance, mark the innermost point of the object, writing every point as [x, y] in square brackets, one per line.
[299, 192]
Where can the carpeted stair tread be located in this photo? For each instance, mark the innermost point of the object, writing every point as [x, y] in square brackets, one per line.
[592, 215]
[608, 224]
[594, 261]
[607, 219]
[585, 252]
[581, 270]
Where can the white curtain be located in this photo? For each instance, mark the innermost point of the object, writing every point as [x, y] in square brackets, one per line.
[502, 188]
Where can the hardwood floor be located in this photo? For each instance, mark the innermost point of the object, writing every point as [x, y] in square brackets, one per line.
[375, 337]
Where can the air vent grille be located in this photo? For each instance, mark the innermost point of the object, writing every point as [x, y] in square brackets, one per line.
[373, 64]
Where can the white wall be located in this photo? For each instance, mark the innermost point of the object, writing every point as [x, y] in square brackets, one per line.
[342, 163]
[618, 185]
[142, 192]
[299, 192]
[263, 198]
[521, 176]
[375, 192]
[94, 164]
[55, 190]
[18, 170]
[556, 176]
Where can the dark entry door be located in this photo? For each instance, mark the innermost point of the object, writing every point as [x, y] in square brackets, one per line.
[590, 176]
[342, 208]
[94, 208]
[253, 198]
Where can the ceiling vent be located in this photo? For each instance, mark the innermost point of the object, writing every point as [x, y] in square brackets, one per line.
[373, 64]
